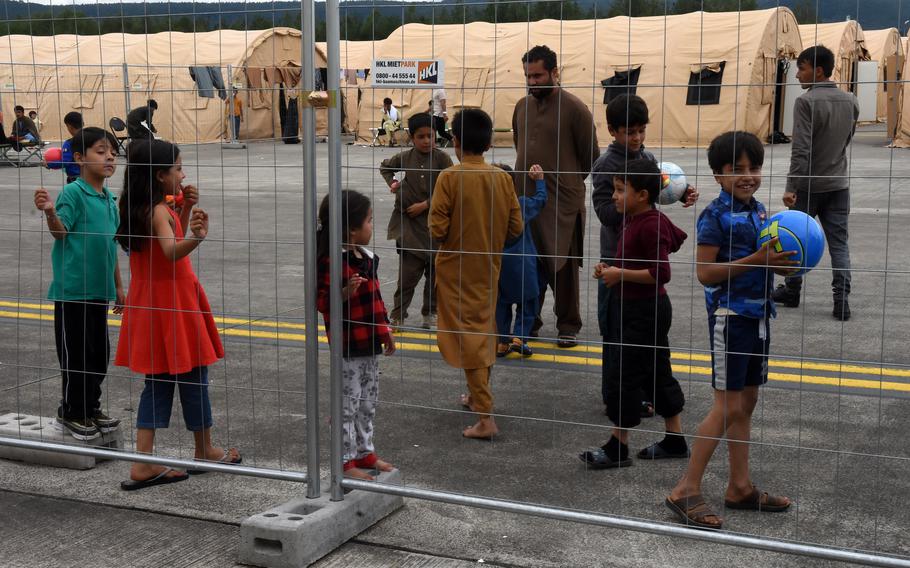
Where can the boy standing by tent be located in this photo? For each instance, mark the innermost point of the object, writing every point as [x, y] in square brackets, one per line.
[411, 176]
[473, 212]
[737, 280]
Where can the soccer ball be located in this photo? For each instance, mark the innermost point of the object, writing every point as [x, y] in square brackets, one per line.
[798, 232]
[673, 183]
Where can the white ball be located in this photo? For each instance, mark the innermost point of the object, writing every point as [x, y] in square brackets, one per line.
[673, 183]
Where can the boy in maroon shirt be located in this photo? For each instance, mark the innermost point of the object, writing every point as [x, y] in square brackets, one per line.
[640, 362]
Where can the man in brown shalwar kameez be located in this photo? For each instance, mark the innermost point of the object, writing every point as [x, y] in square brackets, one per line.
[474, 210]
[555, 129]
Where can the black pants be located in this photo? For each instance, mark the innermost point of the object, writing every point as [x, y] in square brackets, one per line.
[640, 363]
[564, 284]
[439, 123]
[83, 349]
[833, 211]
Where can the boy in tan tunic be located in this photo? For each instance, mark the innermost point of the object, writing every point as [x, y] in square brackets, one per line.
[473, 212]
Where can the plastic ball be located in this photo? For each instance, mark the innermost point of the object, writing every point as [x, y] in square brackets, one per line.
[798, 232]
[53, 155]
[673, 183]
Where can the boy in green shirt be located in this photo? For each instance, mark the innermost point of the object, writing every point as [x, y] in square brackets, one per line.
[83, 223]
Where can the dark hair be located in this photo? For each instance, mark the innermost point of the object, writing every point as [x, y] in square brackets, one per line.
[418, 121]
[474, 130]
[818, 56]
[387, 101]
[141, 189]
[32, 112]
[152, 104]
[642, 175]
[18, 108]
[73, 119]
[730, 146]
[626, 111]
[355, 207]
[87, 137]
[541, 53]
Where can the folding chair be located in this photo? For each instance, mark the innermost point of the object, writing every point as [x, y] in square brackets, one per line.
[117, 125]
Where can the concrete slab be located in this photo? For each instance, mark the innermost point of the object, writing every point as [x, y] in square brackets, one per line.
[301, 531]
[41, 428]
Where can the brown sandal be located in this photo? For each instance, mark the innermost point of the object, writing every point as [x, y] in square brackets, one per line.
[760, 501]
[693, 511]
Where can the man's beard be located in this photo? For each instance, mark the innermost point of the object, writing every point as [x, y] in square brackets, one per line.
[541, 92]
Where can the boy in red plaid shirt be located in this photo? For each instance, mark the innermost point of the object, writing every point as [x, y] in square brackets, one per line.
[366, 331]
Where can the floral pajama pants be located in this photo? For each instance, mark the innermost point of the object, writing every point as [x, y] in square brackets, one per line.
[360, 391]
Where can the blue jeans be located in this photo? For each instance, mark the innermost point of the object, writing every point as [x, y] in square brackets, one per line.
[157, 399]
[236, 124]
[525, 314]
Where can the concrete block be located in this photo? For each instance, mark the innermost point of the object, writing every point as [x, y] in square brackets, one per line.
[28, 427]
[301, 531]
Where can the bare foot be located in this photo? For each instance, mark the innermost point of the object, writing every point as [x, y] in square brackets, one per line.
[383, 465]
[485, 429]
[144, 471]
[357, 473]
[467, 402]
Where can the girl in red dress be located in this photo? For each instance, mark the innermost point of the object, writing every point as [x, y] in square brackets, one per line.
[168, 332]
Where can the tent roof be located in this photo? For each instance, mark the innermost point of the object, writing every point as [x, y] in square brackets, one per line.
[843, 38]
[220, 47]
[883, 43]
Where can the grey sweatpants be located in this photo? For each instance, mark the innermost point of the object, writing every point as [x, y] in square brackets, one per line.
[360, 391]
[832, 209]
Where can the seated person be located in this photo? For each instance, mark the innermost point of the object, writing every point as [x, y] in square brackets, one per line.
[23, 132]
[139, 121]
[391, 120]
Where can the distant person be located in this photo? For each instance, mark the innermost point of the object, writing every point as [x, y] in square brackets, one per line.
[34, 116]
[83, 222]
[824, 120]
[366, 332]
[24, 132]
[440, 114]
[738, 283]
[235, 109]
[554, 128]
[3, 138]
[139, 121]
[411, 176]
[73, 123]
[168, 332]
[391, 120]
[473, 213]
[519, 277]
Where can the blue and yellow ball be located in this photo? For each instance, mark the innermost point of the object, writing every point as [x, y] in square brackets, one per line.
[798, 232]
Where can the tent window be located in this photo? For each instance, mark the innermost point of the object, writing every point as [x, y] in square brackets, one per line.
[144, 83]
[623, 82]
[88, 90]
[198, 103]
[473, 88]
[704, 83]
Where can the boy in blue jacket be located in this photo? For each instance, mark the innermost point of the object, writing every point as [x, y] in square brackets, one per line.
[73, 123]
[519, 282]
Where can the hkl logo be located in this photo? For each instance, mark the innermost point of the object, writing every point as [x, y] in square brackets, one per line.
[428, 72]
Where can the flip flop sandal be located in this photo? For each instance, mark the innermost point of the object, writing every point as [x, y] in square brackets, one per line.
[693, 511]
[224, 459]
[760, 501]
[161, 479]
[566, 341]
[598, 459]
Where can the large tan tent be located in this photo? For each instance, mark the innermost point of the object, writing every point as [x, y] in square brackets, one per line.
[97, 75]
[902, 136]
[736, 55]
[883, 45]
[846, 40]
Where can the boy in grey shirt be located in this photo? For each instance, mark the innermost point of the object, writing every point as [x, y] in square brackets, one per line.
[818, 183]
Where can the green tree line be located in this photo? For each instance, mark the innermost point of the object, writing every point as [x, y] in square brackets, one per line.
[360, 22]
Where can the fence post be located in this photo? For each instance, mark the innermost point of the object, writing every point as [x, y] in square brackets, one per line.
[334, 65]
[126, 88]
[310, 209]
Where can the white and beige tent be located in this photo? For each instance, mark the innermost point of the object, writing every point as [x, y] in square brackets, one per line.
[97, 75]
[902, 136]
[884, 46]
[739, 51]
[846, 40]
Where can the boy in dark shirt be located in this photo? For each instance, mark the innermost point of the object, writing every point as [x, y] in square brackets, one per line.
[419, 167]
[640, 362]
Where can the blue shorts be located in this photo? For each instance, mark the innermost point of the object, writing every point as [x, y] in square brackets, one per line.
[739, 351]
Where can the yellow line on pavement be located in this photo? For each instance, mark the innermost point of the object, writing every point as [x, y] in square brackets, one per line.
[547, 357]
